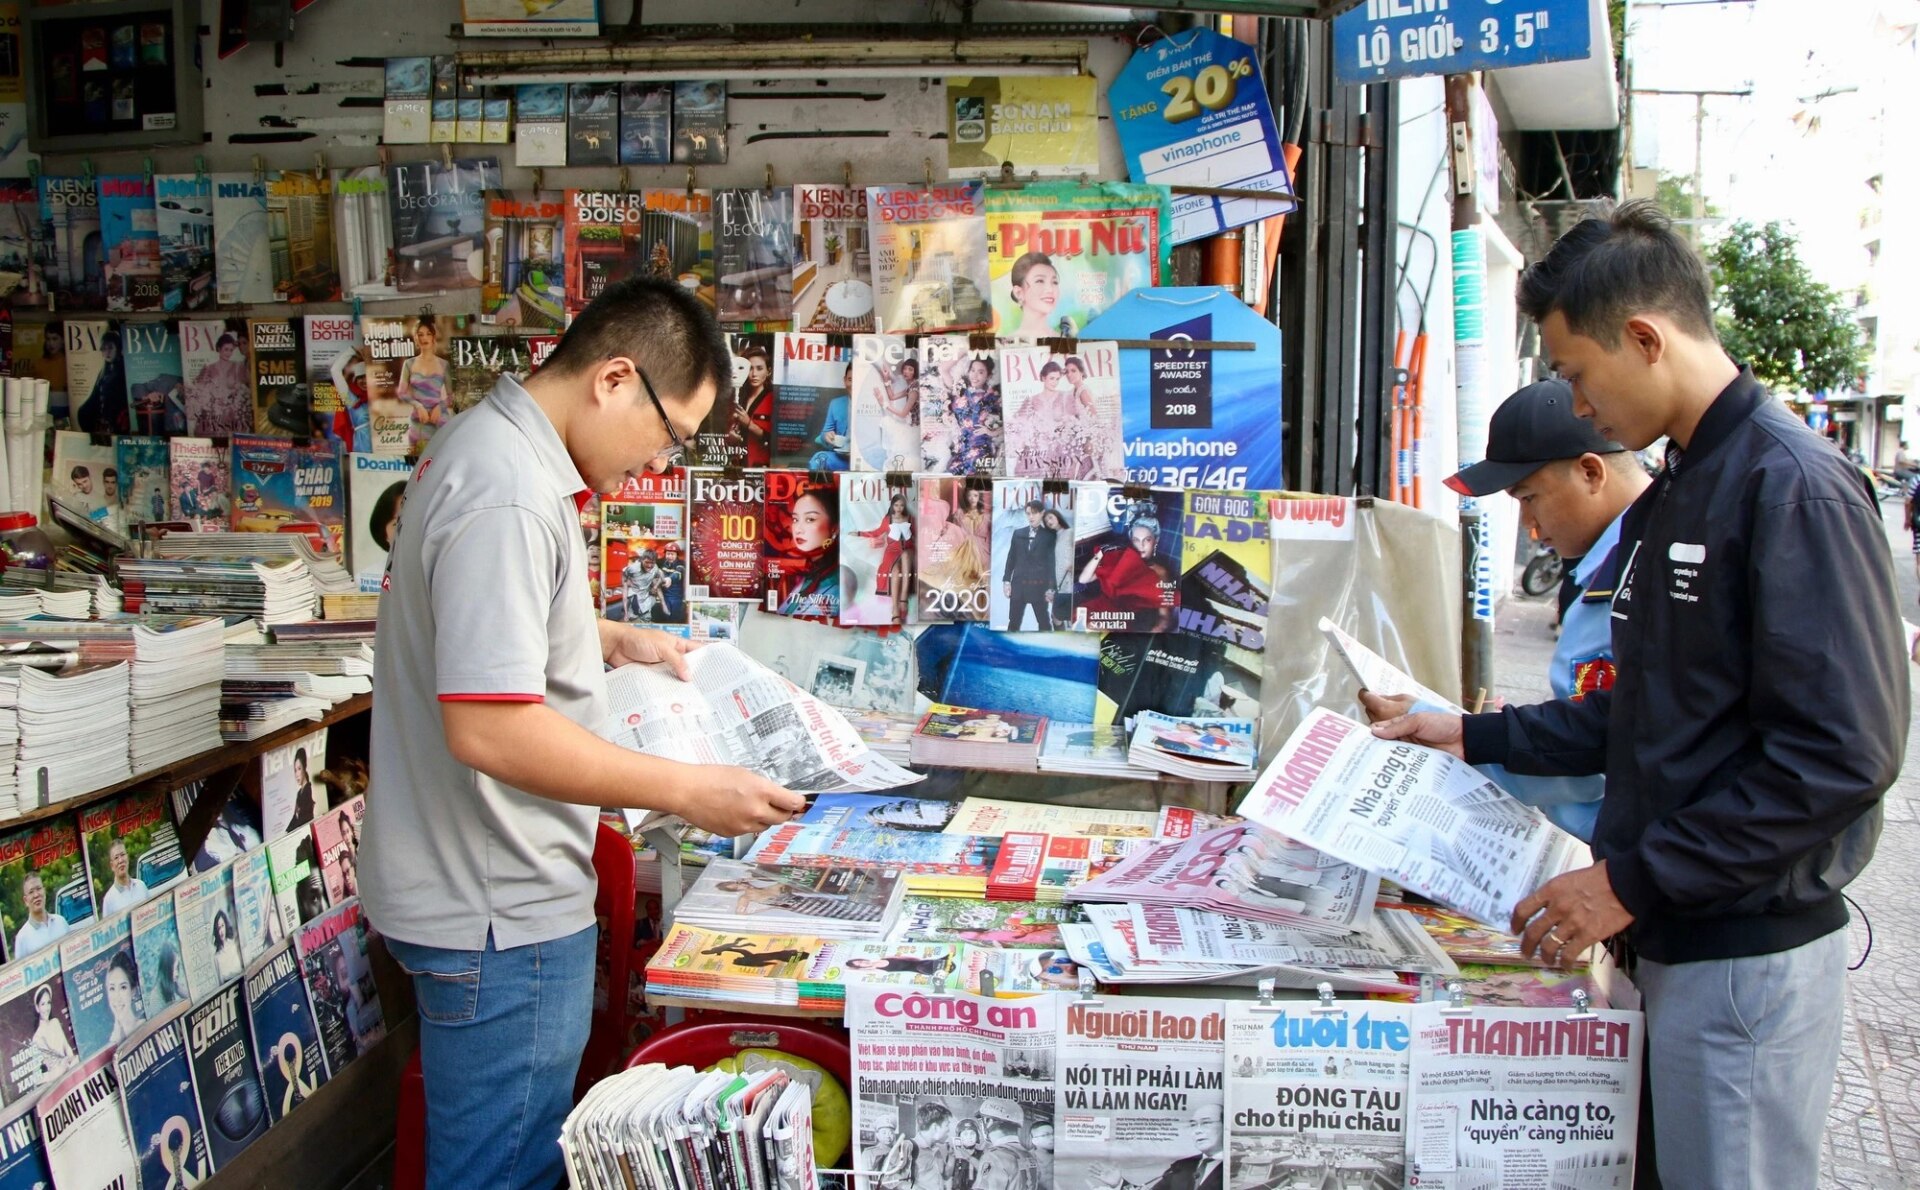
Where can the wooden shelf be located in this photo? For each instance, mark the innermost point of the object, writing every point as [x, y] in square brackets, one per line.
[197, 768]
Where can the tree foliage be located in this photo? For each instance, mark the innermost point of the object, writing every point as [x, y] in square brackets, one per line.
[1797, 333]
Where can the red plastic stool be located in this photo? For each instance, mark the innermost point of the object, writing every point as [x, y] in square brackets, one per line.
[700, 1044]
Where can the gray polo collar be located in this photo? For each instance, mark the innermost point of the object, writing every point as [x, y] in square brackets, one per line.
[517, 405]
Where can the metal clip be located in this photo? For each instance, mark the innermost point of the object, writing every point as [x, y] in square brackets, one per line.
[1264, 989]
[927, 165]
[846, 174]
[1087, 987]
[356, 308]
[446, 155]
[986, 982]
[1327, 1003]
[689, 183]
[769, 176]
[1582, 1007]
[537, 178]
[259, 169]
[86, 166]
[320, 165]
[1456, 998]
[622, 175]
[147, 167]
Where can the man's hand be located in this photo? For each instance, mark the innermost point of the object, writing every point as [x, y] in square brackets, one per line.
[1432, 728]
[1568, 914]
[1007, 590]
[736, 801]
[623, 644]
[1381, 707]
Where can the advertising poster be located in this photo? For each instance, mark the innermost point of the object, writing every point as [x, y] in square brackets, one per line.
[1044, 126]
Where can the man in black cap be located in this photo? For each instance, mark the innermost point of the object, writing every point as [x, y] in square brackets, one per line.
[1574, 488]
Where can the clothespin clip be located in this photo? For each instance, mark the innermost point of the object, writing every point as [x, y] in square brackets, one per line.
[200, 168]
[1326, 1002]
[320, 165]
[33, 168]
[259, 169]
[623, 187]
[537, 178]
[1087, 988]
[356, 308]
[927, 165]
[1264, 990]
[769, 175]
[385, 154]
[446, 156]
[986, 984]
[846, 174]
[1582, 1007]
[1136, 491]
[1053, 487]
[820, 479]
[1456, 999]
[900, 479]
[689, 183]
[86, 166]
[981, 341]
[147, 167]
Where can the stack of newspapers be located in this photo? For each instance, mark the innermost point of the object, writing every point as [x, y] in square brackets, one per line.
[74, 725]
[271, 590]
[655, 1127]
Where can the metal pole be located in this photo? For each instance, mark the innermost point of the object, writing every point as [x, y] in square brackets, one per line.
[1470, 379]
[1699, 139]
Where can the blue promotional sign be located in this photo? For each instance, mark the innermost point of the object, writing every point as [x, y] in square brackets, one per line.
[1191, 111]
[1393, 39]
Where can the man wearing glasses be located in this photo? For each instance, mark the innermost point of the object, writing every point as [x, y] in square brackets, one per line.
[487, 772]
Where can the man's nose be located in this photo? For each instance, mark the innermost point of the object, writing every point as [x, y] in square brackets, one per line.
[1581, 406]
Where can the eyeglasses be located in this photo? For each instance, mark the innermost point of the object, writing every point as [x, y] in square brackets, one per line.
[671, 455]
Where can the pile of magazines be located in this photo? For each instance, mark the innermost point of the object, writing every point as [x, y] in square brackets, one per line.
[962, 737]
[1195, 748]
[675, 1128]
[273, 591]
[832, 902]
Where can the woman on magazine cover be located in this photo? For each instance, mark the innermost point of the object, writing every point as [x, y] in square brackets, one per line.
[749, 431]
[1122, 579]
[895, 574]
[226, 948]
[973, 564]
[105, 409]
[900, 425]
[223, 391]
[50, 1048]
[423, 383]
[976, 419]
[123, 996]
[1054, 519]
[815, 529]
[1036, 291]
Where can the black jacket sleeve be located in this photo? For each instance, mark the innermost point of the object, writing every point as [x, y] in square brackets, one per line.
[1558, 738]
[1827, 749]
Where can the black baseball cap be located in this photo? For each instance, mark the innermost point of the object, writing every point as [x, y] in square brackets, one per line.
[1532, 428]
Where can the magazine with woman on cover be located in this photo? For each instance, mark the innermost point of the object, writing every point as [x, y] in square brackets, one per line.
[953, 543]
[738, 429]
[886, 404]
[801, 555]
[218, 371]
[1060, 253]
[877, 549]
[156, 394]
[960, 409]
[1127, 559]
[929, 258]
[1063, 412]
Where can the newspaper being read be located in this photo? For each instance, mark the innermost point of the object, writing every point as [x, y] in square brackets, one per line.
[1523, 1098]
[1317, 1097]
[1380, 676]
[1411, 813]
[945, 1075]
[1139, 1099]
[733, 710]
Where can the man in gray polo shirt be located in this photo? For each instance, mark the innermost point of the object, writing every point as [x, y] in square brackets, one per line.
[477, 859]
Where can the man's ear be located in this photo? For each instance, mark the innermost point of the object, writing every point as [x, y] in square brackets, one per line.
[610, 377]
[1593, 471]
[1645, 335]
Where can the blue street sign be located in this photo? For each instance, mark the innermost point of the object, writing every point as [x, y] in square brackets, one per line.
[1393, 39]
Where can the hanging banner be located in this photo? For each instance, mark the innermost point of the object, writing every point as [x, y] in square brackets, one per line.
[1395, 39]
[1044, 126]
[1191, 111]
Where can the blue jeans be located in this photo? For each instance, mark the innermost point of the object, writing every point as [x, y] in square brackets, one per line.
[501, 1032]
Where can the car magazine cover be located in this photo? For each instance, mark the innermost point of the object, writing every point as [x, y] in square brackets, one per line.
[1063, 412]
[96, 377]
[282, 488]
[242, 250]
[209, 944]
[325, 339]
[646, 123]
[832, 265]
[1126, 559]
[723, 536]
[929, 258]
[700, 123]
[185, 206]
[812, 422]
[164, 1124]
[256, 917]
[525, 280]
[70, 230]
[363, 232]
[156, 394]
[953, 544]
[226, 1076]
[376, 488]
[84, 1130]
[643, 543]
[156, 955]
[738, 430]
[960, 412]
[333, 956]
[145, 476]
[439, 217]
[129, 242]
[286, 1039]
[336, 843]
[22, 252]
[216, 363]
[132, 849]
[647, 233]
[1031, 589]
[390, 345]
[801, 553]
[81, 463]
[1060, 253]
[300, 237]
[36, 1030]
[877, 551]
[44, 891]
[103, 983]
[279, 377]
[753, 254]
[886, 404]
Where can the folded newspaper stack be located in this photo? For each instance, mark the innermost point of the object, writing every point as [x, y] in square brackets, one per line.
[75, 725]
[1198, 749]
[655, 1127]
[831, 902]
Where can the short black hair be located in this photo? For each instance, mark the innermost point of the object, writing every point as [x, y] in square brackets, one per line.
[930, 1113]
[656, 323]
[383, 513]
[1614, 265]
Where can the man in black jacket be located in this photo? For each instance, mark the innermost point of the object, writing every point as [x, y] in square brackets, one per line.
[1028, 579]
[1759, 712]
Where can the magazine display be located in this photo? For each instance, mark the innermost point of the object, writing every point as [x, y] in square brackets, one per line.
[390, 346]
[475, 364]
[79, 477]
[164, 1123]
[733, 710]
[1059, 254]
[525, 280]
[823, 902]
[36, 1028]
[202, 484]
[738, 430]
[218, 369]
[102, 976]
[987, 816]
[23, 1157]
[156, 952]
[929, 258]
[300, 236]
[1011, 925]
[283, 488]
[144, 475]
[1522, 1098]
[439, 217]
[376, 487]
[723, 546]
[286, 1042]
[339, 977]
[287, 799]
[413, 383]
[1414, 814]
[643, 544]
[934, 865]
[335, 410]
[1467, 941]
[1317, 1094]
[1127, 559]
[886, 404]
[279, 377]
[156, 395]
[70, 234]
[226, 1080]
[753, 254]
[44, 890]
[84, 1130]
[995, 1077]
[22, 252]
[1139, 1102]
[336, 844]
[1245, 871]
[812, 409]
[242, 253]
[129, 242]
[953, 547]
[96, 377]
[658, 1129]
[852, 668]
[961, 431]
[132, 849]
[298, 893]
[1391, 942]
[185, 221]
[209, 944]
[800, 551]
[832, 266]
[970, 737]
[1033, 532]
[877, 550]
[1062, 412]
[256, 916]
[648, 233]
[1199, 749]
[1033, 673]
[363, 232]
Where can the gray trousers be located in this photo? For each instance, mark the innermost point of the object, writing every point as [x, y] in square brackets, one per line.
[1742, 1054]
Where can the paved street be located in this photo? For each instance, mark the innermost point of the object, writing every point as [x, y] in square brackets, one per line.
[1873, 1134]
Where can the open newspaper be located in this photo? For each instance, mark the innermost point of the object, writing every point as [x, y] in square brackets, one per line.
[1139, 1100]
[733, 710]
[1523, 1098]
[1380, 676]
[1392, 941]
[1412, 813]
